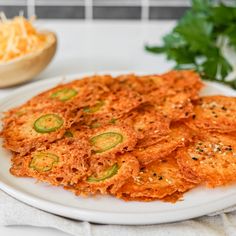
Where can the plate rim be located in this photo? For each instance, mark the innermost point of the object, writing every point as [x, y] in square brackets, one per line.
[124, 218]
[118, 218]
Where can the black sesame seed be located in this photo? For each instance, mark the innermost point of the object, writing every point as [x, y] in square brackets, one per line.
[199, 149]
[163, 161]
[194, 158]
[229, 148]
[160, 177]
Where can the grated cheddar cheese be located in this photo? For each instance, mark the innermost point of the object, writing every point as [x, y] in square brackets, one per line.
[18, 37]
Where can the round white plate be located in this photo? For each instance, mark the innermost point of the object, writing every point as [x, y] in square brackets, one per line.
[104, 209]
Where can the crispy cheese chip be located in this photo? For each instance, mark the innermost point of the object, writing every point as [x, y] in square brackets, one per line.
[34, 129]
[156, 181]
[70, 96]
[178, 89]
[178, 137]
[130, 82]
[149, 125]
[214, 113]
[78, 93]
[111, 139]
[145, 85]
[111, 106]
[107, 142]
[110, 178]
[184, 81]
[175, 107]
[63, 162]
[210, 159]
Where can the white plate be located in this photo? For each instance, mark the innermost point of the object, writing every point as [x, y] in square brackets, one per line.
[103, 209]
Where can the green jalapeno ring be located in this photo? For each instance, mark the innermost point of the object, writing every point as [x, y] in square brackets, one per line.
[43, 161]
[48, 123]
[94, 108]
[106, 141]
[64, 94]
[106, 175]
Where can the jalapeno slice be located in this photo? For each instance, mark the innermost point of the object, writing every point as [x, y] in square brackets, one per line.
[105, 141]
[43, 161]
[94, 108]
[68, 134]
[64, 94]
[105, 175]
[48, 123]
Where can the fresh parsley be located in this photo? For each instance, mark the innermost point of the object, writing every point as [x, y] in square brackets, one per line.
[198, 40]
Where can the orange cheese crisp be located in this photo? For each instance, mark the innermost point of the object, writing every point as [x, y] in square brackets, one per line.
[137, 138]
[209, 159]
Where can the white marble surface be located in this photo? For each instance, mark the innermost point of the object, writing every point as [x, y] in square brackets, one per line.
[95, 47]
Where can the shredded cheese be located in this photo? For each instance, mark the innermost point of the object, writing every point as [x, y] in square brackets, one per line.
[18, 37]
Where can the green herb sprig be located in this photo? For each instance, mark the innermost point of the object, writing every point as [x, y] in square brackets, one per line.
[197, 40]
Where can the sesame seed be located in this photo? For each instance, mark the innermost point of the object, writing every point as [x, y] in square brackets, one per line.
[150, 179]
[168, 181]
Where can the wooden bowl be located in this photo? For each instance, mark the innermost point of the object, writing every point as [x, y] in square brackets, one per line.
[25, 68]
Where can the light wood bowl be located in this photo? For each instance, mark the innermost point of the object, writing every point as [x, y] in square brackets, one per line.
[25, 68]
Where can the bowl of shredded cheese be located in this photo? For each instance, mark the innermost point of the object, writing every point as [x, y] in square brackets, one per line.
[24, 51]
